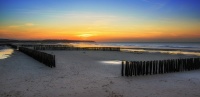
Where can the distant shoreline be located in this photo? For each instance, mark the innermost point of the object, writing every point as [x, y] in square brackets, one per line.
[41, 41]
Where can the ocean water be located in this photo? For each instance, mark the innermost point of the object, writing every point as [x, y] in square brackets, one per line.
[153, 45]
[185, 48]
[192, 48]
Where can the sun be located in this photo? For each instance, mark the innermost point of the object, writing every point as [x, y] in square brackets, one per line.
[85, 35]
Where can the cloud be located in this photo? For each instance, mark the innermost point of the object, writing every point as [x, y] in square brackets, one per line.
[24, 25]
[14, 26]
[85, 16]
[29, 24]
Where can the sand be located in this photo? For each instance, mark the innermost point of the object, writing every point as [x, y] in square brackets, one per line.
[91, 74]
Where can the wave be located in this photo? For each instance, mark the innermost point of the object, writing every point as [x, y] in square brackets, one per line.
[189, 46]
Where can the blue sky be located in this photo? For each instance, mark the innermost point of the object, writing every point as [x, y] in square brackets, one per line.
[147, 8]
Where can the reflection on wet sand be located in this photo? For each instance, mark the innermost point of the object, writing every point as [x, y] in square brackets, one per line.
[5, 53]
[162, 51]
[111, 62]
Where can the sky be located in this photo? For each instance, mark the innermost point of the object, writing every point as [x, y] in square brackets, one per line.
[101, 20]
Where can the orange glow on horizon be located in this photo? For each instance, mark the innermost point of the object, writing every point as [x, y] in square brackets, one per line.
[98, 32]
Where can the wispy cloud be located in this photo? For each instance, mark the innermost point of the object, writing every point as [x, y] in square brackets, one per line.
[56, 13]
[29, 24]
[84, 15]
[100, 18]
[23, 25]
[14, 26]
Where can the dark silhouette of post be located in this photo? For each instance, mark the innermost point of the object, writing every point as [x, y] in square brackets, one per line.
[122, 71]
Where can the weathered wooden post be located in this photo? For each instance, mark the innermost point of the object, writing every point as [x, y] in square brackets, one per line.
[126, 69]
[136, 68]
[154, 62]
[184, 64]
[130, 68]
[137, 64]
[159, 67]
[147, 67]
[162, 66]
[198, 63]
[193, 65]
[181, 64]
[156, 67]
[54, 57]
[167, 66]
[133, 67]
[174, 65]
[122, 71]
[139, 68]
[144, 67]
[179, 67]
[150, 67]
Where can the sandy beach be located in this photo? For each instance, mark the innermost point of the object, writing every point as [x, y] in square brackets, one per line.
[92, 74]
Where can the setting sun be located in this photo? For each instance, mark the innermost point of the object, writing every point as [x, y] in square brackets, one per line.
[85, 35]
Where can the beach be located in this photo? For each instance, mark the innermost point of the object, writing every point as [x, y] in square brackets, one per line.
[92, 74]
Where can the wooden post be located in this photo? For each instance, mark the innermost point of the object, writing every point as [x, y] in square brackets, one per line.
[150, 67]
[126, 74]
[162, 67]
[54, 61]
[133, 67]
[166, 67]
[159, 67]
[130, 68]
[192, 63]
[144, 67]
[147, 67]
[156, 69]
[122, 71]
[127, 68]
[141, 68]
[198, 63]
[137, 63]
[179, 66]
[136, 68]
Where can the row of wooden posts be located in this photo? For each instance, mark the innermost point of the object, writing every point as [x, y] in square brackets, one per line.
[2, 44]
[53, 47]
[12, 46]
[137, 68]
[45, 58]
[44, 45]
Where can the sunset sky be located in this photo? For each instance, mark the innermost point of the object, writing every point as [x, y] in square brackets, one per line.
[101, 20]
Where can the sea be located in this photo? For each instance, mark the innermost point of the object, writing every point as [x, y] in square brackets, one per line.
[183, 48]
[186, 48]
